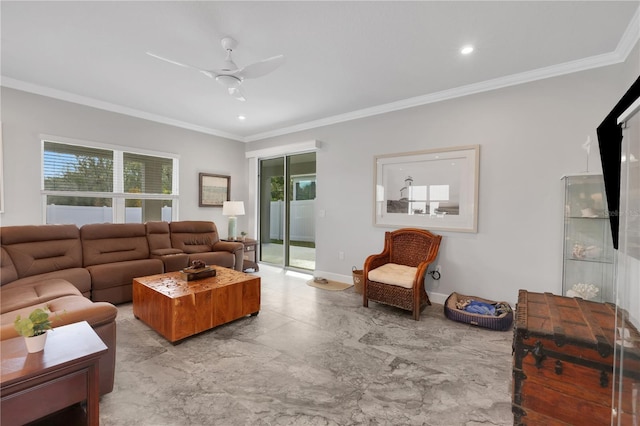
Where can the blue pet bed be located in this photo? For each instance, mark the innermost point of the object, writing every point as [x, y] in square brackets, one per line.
[478, 311]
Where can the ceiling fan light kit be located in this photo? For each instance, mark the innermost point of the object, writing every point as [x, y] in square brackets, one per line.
[231, 76]
[233, 86]
[228, 81]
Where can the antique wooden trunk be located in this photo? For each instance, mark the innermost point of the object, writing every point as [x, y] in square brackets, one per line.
[563, 363]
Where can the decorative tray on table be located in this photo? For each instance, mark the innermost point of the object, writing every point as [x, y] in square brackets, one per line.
[196, 271]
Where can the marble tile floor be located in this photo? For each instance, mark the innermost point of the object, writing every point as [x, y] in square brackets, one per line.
[313, 357]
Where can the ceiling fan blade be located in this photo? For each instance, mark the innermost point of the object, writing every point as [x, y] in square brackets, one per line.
[236, 93]
[180, 64]
[259, 69]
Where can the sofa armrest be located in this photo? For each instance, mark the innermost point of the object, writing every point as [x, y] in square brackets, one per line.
[173, 259]
[236, 248]
[230, 246]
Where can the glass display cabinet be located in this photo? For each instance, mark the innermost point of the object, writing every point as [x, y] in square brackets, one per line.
[588, 259]
[626, 384]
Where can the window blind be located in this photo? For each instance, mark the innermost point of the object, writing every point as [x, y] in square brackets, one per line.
[146, 174]
[77, 168]
[82, 184]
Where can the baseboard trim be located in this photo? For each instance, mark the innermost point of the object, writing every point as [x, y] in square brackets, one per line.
[434, 297]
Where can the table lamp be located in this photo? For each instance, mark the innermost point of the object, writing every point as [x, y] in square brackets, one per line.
[233, 209]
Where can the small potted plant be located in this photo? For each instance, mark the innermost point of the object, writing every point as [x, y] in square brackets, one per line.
[243, 235]
[34, 328]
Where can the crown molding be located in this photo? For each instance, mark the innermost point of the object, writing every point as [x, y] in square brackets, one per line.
[630, 37]
[626, 44]
[107, 106]
[471, 89]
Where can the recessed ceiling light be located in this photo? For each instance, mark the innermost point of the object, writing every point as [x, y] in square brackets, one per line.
[466, 50]
[242, 117]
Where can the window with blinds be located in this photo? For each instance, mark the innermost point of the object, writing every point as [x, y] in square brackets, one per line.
[85, 184]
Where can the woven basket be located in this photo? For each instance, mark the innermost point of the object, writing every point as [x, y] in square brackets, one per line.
[358, 280]
[502, 322]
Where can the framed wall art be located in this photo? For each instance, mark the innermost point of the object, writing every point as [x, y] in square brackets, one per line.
[433, 189]
[214, 190]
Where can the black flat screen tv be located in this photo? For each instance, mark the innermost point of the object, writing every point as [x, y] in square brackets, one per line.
[610, 145]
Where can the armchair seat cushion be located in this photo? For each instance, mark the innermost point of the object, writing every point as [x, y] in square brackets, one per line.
[394, 274]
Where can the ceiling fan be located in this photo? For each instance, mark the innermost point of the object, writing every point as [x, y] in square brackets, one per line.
[230, 75]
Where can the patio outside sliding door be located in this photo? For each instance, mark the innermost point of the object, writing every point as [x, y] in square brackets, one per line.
[287, 206]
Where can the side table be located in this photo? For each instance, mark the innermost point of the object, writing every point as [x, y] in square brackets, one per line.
[65, 373]
[250, 247]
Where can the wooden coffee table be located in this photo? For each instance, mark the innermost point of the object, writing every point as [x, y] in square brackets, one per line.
[176, 308]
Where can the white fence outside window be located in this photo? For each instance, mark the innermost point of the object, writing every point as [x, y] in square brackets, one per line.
[303, 225]
[82, 215]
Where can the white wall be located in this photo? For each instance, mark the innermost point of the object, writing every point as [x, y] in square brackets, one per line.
[530, 135]
[26, 116]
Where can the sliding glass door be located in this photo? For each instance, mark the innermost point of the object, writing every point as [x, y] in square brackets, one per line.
[271, 213]
[301, 200]
[287, 210]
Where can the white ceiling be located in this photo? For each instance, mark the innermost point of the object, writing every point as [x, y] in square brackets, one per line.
[343, 59]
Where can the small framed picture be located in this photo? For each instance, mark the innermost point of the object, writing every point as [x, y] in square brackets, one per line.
[214, 190]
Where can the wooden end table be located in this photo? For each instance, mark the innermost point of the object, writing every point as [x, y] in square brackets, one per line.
[250, 261]
[177, 309]
[250, 249]
[65, 373]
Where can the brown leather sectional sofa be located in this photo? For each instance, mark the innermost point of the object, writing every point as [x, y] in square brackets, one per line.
[79, 273]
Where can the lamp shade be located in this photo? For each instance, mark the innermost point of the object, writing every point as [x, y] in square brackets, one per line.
[233, 208]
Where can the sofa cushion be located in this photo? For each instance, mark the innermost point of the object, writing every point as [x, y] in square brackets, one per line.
[158, 237]
[8, 271]
[64, 310]
[122, 273]
[220, 258]
[193, 236]
[394, 274]
[36, 293]
[113, 242]
[166, 252]
[79, 277]
[172, 261]
[37, 249]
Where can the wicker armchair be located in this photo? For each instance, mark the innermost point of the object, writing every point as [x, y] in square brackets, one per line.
[403, 249]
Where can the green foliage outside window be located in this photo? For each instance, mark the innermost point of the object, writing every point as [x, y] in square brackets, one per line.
[277, 188]
[94, 173]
